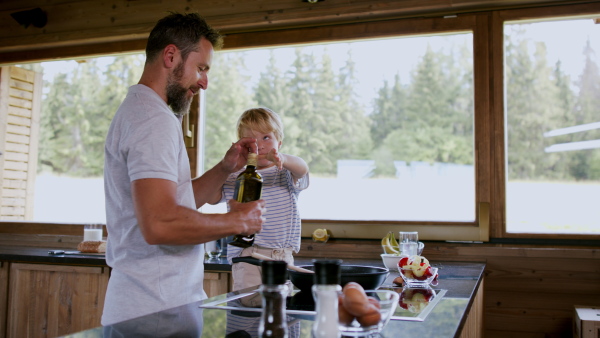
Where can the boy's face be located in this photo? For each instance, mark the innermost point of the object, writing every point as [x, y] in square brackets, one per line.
[265, 142]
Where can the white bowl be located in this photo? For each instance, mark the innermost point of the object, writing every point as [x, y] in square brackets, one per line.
[391, 261]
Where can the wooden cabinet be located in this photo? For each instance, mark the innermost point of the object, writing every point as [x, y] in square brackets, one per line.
[52, 300]
[474, 323]
[3, 296]
[217, 283]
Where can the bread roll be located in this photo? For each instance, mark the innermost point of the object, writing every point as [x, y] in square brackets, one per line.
[92, 246]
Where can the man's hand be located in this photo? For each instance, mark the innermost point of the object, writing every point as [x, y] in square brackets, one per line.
[249, 215]
[237, 155]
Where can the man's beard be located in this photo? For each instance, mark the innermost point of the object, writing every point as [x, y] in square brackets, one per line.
[176, 94]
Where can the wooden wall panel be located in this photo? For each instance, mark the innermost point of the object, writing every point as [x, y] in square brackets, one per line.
[216, 283]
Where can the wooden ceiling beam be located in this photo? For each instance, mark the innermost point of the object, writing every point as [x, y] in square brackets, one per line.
[88, 28]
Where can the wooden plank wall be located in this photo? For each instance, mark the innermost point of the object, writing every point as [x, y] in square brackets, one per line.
[42, 235]
[20, 100]
[529, 291]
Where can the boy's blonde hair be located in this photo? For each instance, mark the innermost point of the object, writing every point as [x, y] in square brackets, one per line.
[260, 119]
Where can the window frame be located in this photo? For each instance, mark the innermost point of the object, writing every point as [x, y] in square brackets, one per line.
[498, 206]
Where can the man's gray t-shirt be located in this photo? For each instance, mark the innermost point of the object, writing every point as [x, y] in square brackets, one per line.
[145, 141]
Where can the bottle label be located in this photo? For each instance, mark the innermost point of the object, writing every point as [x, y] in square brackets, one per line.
[247, 190]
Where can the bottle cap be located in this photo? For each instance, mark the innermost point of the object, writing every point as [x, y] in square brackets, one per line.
[274, 272]
[327, 271]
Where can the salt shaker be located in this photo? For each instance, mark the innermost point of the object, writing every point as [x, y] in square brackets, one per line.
[274, 290]
[326, 290]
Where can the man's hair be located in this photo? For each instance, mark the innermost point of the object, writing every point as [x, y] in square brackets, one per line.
[182, 30]
[261, 119]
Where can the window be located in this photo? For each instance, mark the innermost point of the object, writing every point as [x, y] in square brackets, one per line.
[552, 85]
[78, 102]
[385, 125]
[462, 214]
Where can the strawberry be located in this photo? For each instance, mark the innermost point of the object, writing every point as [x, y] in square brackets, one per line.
[428, 272]
[403, 262]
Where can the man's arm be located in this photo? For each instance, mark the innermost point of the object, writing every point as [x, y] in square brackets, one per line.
[163, 221]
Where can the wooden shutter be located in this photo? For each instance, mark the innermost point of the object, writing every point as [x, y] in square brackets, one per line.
[20, 105]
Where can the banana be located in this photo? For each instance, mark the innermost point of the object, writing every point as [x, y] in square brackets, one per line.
[388, 244]
[393, 241]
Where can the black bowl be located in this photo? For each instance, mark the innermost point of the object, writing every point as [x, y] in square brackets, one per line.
[369, 277]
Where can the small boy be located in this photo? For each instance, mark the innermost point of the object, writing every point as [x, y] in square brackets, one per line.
[284, 177]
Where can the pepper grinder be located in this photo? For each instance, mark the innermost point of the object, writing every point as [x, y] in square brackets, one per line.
[326, 290]
[274, 290]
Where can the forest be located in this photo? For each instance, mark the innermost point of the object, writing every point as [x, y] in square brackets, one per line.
[428, 118]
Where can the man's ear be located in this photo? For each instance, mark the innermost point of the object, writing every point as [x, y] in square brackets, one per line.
[170, 55]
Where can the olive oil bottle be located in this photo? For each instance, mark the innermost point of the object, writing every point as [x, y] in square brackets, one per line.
[248, 188]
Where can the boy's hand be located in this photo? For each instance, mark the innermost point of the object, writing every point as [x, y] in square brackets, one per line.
[276, 158]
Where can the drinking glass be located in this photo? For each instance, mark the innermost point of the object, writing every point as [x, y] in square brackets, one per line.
[409, 243]
[92, 232]
[214, 248]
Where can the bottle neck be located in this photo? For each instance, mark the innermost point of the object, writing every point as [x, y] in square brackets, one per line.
[252, 160]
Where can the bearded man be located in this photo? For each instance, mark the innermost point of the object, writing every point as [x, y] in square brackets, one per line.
[154, 229]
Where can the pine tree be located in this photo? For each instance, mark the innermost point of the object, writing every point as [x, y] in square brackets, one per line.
[78, 110]
[534, 107]
[70, 143]
[585, 164]
[433, 122]
[389, 108]
[226, 98]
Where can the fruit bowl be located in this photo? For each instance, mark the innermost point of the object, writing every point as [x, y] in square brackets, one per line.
[413, 280]
[388, 300]
[391, 261]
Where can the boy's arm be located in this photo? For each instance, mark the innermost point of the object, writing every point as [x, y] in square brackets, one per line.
[296, 165]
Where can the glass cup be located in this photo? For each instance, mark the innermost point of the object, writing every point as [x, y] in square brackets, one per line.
[214, 248]
[409, 243]
[92, 232]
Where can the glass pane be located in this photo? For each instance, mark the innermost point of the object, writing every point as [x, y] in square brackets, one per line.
[386, 126]
[78, 102]
[553, 126]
